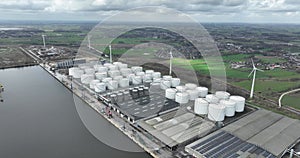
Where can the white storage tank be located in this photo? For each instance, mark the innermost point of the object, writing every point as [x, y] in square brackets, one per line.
[140, 73]
[222, 95]
[170, 93]
[203, 91]
[157, 80]
[155, 87]
[73, 70]
[117, 78]
[193, 94]
[107, 79]
[102, 69]
[125, 71]
[89, 71]
[147, 77]
[229, 107]
[182, 98]
[216, 112]
[101, 75]
[117, 63]
[240, 103]
[136, 80]
[211, 98]
[122, 66]
[100, 87]
[136, 69]
[86, 78]
[130, 77]
[78, 73]
[167, 78]
[124, 82]
[112, 85]
[149, 72]
[97, 66]
[107, 65]
[93, 83]
[113, 67]
[175, 82]
[181, 88]
[190, 86]
[114, 73]
[201, 106]
[156, 75]
[165, 84]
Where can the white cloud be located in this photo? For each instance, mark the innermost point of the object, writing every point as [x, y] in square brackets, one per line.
[219, 9]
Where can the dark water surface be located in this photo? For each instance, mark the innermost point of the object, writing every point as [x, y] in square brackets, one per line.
[38, 119]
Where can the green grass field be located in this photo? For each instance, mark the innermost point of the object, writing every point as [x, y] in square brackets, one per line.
[270, 83]
[292, 100]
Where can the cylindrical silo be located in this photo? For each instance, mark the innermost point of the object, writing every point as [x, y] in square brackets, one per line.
[175, 82]
[101, 75]
[156, 75]
[240, 103]
[122, 66]
[181, 88]
[112, 85]
[141, 73]
[107, 79]
[190, 86]
[86, 78]
[182, 98]
[89, 71]
[201, 106]
[216, 112]
[170, 93]
[165, 84]
[107, 65]
[93, 83]
[117, 78]
[193, 94]
[113, 68]
[229, 107]
[78, 73]
[102, 69]
[114, 73]
[100, 87]
[212, 99]
[149, 72]
[203, 91]
[73, 70]
[124, 82]
[136, 69]
[167, 78]
[222, 95]
[157, 80]
[147, 77]
[125, 71]
[136, 80]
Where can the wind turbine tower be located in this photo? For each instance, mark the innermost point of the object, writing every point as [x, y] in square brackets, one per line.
[89, 41]
[110, 54]
[171, 57]
[44, 41]
[254, 75]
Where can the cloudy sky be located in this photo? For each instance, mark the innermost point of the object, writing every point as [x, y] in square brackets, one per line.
[257, 11]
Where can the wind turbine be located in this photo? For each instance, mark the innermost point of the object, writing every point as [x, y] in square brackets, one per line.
[171, 57]
[254, 75]
[44, 41]
[110, 55]
[89, 41]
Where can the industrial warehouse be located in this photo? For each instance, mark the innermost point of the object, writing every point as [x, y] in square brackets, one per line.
[184, 116]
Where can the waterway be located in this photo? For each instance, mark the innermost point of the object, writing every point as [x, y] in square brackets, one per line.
[38, 118]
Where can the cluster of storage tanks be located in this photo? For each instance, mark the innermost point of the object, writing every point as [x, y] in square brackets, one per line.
[113, 76]
[109, 76]
[216, 106]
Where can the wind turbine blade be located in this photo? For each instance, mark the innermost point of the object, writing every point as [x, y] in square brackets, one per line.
[253, 63]
[260, 70]
[251, 73]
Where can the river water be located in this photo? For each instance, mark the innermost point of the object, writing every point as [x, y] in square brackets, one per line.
[38, 119]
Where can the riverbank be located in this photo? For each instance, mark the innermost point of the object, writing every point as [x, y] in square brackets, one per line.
[130, 131]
